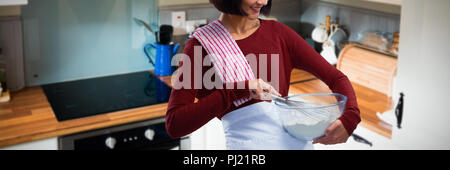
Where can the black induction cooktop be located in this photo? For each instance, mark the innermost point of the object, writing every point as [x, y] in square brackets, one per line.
[89, 97]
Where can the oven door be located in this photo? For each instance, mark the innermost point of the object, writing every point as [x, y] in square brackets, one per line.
[146, 135]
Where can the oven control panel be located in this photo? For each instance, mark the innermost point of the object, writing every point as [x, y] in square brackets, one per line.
[142, 136]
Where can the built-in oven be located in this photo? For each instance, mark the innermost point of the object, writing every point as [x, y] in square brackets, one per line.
[145, 135]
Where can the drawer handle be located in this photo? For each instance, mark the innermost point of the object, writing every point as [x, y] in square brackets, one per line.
[399, 111]
[360, 139]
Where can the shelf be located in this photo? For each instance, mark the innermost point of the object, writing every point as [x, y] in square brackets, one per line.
[13, 2]
[391, 2]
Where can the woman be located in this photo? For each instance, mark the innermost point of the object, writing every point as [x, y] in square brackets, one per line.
[252, 123]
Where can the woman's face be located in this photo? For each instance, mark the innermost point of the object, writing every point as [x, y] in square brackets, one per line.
[253, 7]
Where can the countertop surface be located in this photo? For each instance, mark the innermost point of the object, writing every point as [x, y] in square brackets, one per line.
[29, 116]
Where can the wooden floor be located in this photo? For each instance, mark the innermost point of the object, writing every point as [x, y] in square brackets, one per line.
[370, 103]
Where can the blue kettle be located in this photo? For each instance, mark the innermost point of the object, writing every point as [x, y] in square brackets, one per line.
[163, 58]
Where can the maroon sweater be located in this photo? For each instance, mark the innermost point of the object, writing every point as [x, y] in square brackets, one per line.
[184, 116]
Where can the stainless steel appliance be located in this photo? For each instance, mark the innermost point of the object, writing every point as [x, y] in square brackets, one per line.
[145, 135]
[89, 97]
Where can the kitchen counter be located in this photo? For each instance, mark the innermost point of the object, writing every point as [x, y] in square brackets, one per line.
[29, 116]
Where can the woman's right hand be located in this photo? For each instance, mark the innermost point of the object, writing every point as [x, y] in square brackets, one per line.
[261, 90]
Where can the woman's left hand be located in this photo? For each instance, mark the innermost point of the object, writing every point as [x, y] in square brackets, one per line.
[335, 134]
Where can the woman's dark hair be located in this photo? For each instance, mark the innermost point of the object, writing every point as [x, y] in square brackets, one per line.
[234, 7]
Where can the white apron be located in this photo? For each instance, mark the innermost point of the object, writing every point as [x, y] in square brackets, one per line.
[258, 127]
[255, 127]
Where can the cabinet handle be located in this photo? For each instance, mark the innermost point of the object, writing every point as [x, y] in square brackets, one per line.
[399, 111]
[360, 139]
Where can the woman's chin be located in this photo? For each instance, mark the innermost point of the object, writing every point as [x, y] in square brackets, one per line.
[253, 17]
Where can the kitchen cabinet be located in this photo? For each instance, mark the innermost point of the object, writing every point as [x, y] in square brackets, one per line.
[13, 2]
[423, 75]
[425, 109]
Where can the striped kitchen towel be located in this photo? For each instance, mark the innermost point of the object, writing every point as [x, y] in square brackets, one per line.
[228, 60]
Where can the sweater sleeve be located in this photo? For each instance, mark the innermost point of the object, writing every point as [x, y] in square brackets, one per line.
[184, 116]
[304, 57]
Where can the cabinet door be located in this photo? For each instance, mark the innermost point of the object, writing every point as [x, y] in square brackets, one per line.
[423, 75]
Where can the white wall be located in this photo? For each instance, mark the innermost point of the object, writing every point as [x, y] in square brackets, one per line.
[423, 75]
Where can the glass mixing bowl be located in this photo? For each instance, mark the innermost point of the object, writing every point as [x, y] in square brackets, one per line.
[311, 115]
